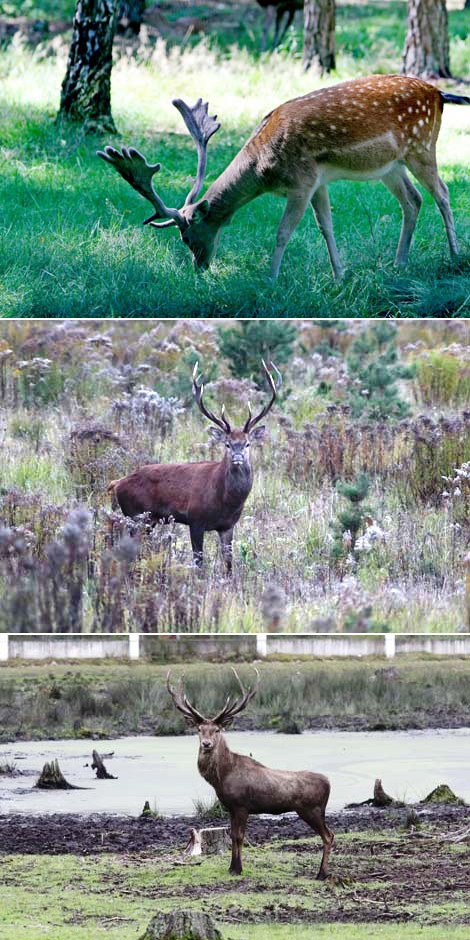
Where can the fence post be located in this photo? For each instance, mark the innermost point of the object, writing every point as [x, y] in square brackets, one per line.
[3, 647]
[389, 645]
[134, 645]
[261, 645]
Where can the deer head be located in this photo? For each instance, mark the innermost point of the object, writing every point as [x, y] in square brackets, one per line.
[195, 228]
[209, 729]
[236, 441]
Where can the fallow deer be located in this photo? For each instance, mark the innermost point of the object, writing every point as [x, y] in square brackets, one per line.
[245, 787]
[208, 495]
[367, 128]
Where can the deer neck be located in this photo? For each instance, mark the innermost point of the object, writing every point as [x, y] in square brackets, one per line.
[236, 481]
[237, 185]
[214, 765]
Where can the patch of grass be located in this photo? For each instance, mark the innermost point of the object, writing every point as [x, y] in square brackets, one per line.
[73, 244]
[115, 699]
[372, 875]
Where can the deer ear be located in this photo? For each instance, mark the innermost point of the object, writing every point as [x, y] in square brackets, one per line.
[257, 434]
[217, 435]
[201, 210]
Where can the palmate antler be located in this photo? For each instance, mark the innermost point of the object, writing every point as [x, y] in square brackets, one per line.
[134, 168]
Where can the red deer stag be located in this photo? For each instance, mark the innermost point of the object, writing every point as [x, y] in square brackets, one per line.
[367, 128]
[244, 786]
[207, 496]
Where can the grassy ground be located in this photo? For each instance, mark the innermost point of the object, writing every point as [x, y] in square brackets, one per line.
[380, 882]
[72, 243]
[77, 700]
[73, 422]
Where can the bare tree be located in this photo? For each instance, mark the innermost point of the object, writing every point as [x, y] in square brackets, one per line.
[426, 52]
[319, 35]
[86, 89]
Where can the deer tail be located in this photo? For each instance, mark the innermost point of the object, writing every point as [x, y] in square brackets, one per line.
[447, 98]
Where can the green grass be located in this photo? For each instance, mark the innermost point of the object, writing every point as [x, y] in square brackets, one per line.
[76, 700]
[72, 241]
[80, 898]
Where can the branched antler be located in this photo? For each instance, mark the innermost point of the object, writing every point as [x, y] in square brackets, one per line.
[198, 392]
[133, 167]
[183, 704]
[275, 385]
[230, 710]
[201, 126]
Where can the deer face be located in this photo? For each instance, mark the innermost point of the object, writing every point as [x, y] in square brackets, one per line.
[210, 736]
[200, 235]
[237, 444]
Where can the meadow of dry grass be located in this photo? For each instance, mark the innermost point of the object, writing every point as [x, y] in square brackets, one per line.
[84, 402]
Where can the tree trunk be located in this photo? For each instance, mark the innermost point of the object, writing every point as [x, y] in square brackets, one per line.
[86, 89]
[319, 35]
[426, 52]
[52, 778]
[130, 16]
[182, 925]
[98, 765]
[213, 841]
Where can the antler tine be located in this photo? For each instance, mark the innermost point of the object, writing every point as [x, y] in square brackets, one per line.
[201, 127]
[275, 385]
[182, 703]
[229, 711]
[133, 167]
[198, 392]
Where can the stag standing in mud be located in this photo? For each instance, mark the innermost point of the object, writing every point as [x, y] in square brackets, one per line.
[244, 786]
[207, 496]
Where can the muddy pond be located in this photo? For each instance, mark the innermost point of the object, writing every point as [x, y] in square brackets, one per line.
[164, 771]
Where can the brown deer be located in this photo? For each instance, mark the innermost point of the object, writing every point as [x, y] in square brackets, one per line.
[367, 128]
[283, 10]
[244, 786]
[207, 496]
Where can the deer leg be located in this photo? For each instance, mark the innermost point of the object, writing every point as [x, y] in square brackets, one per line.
[226, 546]
[410, 200]
[322, 211]
[281, 32]
[197, 543]
[239, 819]
[268, 18]
[316, 820]
[426, 173]
[296, 205]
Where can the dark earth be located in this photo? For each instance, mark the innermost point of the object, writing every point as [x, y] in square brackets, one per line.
[381, 871]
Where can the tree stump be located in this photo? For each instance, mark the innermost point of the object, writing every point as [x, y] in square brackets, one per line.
[213, 841]
[182, 925]
[101, 772]
[52, 778]
[381, 798]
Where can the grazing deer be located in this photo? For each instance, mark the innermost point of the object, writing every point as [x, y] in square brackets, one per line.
[244, 786]
[284, 9]
[368, 128]
[207, 496]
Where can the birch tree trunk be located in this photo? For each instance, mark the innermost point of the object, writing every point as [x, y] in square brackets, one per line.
[319, 35]
[426, 52]
[86, 89]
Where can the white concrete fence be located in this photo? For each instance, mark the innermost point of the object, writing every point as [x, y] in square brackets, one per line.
[167, 647]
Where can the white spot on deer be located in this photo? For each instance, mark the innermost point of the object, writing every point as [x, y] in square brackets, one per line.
[332, 127]
[400, 117]
[415, 130]
[410, 110]
[421, 122]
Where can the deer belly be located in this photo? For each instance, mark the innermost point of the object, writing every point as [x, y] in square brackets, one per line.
[366, 160]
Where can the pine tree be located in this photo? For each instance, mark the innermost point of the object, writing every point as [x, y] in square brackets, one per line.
[374, 366]
[350, 519]
[253, 340]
